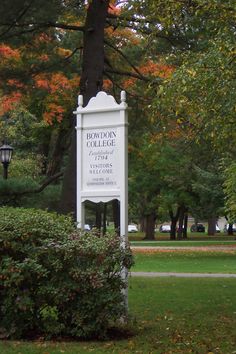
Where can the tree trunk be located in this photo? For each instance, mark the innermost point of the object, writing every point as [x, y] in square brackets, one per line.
[230, 230]
[90, 84]
[230, 227]
[212, 226]
[174, 219]
[173, 229]
[98, 222]
[116, 215]
[185, 230]
[68, 195]
[150, 227]
[181, 222]
[104, 220]
[142, 224]
[56, 151]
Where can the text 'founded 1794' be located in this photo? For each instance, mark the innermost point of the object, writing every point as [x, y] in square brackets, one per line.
[101, 158]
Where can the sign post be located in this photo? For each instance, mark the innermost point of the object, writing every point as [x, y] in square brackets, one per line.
[102, 156]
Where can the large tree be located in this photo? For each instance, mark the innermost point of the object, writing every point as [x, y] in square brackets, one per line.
[193, 38]
[90, 84]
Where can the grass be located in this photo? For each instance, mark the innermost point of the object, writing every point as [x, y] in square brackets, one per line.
[184, 316]
[172, 316]
[185, 262]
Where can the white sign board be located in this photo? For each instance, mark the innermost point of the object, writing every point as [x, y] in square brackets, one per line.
[101, 158]
[102, 166]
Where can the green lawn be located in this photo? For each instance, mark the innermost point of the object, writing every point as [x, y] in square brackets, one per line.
[185, 262]
[185, 315]
[170, 315]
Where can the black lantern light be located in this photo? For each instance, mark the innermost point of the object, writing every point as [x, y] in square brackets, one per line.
[5, 157]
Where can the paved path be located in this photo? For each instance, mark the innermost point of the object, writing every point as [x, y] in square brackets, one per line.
[182, 275]
[190, 248]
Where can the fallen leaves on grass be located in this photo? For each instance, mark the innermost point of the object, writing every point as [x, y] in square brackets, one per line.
[153, 250]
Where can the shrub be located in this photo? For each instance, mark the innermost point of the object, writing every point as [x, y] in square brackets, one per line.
[55, 280]
[33, 225]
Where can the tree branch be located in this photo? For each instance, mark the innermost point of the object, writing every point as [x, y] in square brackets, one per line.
[126, 73]
[141, 76]
[65, 26]
[21, 14]
[35, 190]
[37, 26]
[141, 98]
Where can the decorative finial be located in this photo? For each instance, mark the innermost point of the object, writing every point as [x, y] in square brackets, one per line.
[80, 101]
[123, 96]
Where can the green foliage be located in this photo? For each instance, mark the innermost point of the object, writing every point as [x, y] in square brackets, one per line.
[144, 164]
[209, 201]
[193, 109]
[56, 280]
[160, 177]
[29, 224]
[201, 93]
[48, 199]
[230, 191]
[194, 103]
[27, 166]
[11, 189]
[13, 192]
[20, 127]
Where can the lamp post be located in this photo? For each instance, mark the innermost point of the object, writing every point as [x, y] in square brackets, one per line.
[5, 158]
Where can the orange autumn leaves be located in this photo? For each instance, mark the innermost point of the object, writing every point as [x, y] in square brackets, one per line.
[113, 9]
[51, 96]
[57, 92]
[57, 95]
[153, 69]
[7, 52]
[9, 102]
[8, 57]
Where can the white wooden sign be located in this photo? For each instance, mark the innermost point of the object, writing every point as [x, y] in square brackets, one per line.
[102, 161]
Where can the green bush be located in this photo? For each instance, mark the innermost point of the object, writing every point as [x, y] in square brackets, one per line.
[55, 280]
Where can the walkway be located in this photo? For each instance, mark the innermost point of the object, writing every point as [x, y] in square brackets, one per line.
[190, 248]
